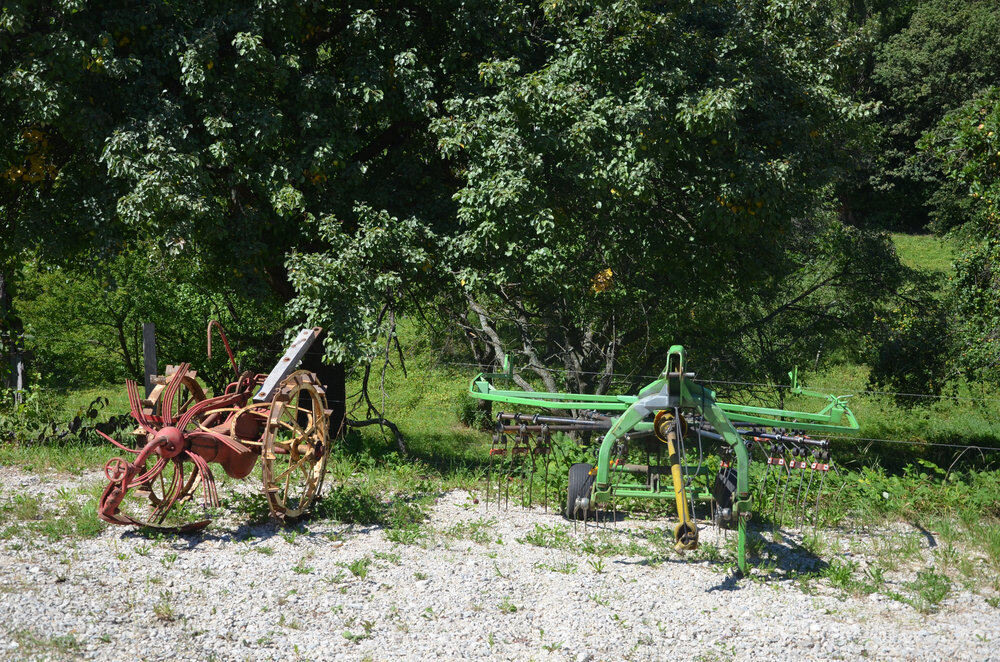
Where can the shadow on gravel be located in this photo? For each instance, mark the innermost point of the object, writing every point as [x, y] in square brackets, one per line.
[258, 532]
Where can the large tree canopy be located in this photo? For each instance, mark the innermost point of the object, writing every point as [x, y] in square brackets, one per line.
[577, 183]
[658, 180]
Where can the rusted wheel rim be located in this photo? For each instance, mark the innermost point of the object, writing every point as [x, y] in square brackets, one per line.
[295, 446]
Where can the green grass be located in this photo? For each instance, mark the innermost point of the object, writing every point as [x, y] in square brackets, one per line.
[31, 644]
[925, 252]
[69, 517]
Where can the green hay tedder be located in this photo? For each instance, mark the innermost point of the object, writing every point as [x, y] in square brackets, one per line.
[664, 424]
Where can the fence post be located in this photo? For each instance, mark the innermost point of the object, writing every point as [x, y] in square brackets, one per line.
[19, 388]
[149, 354]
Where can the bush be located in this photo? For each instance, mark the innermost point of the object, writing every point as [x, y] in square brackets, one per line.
[475, 413]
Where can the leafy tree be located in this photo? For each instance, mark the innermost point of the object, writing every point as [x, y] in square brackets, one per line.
[649, 184]
[581, 183]
[946, 54]
[86, 329]
[966, 145]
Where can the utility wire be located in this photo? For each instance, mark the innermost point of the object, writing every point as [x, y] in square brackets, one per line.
[912, 443]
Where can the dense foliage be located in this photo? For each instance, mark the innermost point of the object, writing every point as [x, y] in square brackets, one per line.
[967, 146]
[576, 185]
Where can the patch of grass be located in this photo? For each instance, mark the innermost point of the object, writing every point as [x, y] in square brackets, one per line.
[924, 252]
[59, 521]
[507, 606]
[252, 506]
[478, 530]
[351, 503]
[359, 567]
[565, 568]
[31, 645]
[301, 568]
[926, 592]
[164, 610]
[710, 552]
[391, 557]
[841, 574]
[930, 588]
[406, 522]
[74, 457]
[553, 537]
[26, 507]
[367, 627]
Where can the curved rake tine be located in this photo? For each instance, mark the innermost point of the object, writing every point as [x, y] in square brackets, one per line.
[805, 498]
[121, 446]
[166, 411]
[210, 496]
[135, 405]
[798, 493]
[779, 461]
[213, 405]
[159, 513]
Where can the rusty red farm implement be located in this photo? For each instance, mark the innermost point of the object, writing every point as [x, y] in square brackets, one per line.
[166, 480]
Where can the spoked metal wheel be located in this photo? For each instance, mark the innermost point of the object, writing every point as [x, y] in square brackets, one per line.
[295, 446]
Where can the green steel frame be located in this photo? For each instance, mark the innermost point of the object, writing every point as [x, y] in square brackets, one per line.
[676, 389]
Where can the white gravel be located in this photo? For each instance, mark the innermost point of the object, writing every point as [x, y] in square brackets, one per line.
[222, 596]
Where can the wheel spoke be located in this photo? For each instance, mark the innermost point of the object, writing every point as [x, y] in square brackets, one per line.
[291, 468]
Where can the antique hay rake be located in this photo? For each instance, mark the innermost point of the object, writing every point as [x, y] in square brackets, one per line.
[280, 417]
[663, 424]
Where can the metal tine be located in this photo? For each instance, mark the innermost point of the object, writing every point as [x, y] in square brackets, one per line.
[768, 454]
[825, 458]
[780, 462]
[526, 467]
[489, 469]
[800, 452]
[546, 447]
[506, 474]
[784, 491]
[805, 497]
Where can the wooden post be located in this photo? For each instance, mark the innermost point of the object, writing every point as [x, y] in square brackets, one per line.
[149, 354]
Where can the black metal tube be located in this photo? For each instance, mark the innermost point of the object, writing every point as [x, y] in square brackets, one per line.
[536, 419]
[535, 429]
[770, 436]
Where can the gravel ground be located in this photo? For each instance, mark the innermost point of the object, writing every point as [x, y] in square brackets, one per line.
[254, 592]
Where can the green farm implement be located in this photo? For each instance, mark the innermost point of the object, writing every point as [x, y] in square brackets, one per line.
[649, 438]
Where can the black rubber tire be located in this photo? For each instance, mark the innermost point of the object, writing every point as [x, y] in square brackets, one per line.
[723, 492]
[580, 483]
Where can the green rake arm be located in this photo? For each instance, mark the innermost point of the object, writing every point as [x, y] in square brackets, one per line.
[834, 416]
